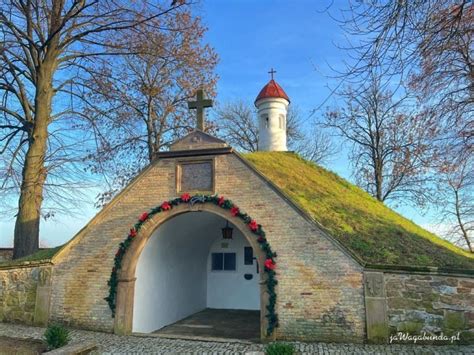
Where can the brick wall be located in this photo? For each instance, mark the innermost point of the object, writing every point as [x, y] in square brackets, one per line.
[320, 289]
[430, 303]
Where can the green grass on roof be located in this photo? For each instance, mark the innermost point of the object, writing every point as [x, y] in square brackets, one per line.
[40, 255]
[367, 227]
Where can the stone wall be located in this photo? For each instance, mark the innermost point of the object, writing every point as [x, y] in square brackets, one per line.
[320, 288]
[430, 303]
[18, 293]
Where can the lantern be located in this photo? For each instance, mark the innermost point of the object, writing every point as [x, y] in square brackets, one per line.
[227, 231]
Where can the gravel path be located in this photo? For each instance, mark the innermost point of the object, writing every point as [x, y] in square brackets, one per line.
[114, 344]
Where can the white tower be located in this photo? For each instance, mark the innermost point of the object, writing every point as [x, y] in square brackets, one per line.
[272, 107]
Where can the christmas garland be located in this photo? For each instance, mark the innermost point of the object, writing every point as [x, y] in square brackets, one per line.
[255, 228]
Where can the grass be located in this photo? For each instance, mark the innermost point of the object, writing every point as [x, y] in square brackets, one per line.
[279, 349]
[371, 230]
[40, 255]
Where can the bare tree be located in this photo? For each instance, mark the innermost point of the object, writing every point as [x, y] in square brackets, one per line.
[45, 47]
[455, 200]
[316, 146]
[444, 79]
[140, 100]
[237, 124]
[425, 47]
[389, 143]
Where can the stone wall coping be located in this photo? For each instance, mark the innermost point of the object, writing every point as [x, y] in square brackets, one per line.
[72, 349]
[26, 264]
[11, 248]
[194, 152]
[422, 270]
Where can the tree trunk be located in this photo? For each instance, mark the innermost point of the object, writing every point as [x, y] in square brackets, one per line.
[378, 179]
[26, 235]
[460, 223]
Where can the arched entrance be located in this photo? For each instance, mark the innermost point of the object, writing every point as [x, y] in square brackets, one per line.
[127, 275]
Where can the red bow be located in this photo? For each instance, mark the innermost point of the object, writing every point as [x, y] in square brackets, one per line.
[221, 201]
[253, 225]
[269, 264]
[234, 211]
[165, 206]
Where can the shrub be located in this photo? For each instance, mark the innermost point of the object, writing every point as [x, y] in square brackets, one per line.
[56, 336]
[279, 349]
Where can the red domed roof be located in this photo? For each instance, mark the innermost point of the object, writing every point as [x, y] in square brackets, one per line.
[272, 89]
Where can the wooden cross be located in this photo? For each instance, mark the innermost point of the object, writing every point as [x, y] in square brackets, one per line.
[271, 72]
[199, 105]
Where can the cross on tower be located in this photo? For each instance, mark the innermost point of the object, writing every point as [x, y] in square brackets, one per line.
[199, 106]
[271, 72]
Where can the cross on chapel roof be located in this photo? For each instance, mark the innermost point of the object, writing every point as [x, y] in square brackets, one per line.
[199, 105]
[271, 72]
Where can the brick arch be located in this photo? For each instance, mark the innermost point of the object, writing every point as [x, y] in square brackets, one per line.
[126, 276]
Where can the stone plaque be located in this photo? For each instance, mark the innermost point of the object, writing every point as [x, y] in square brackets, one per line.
[375, 307]
[374, 286]
[196, 176]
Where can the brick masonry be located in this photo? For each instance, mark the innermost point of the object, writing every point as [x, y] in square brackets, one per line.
[430, 303]
[320, 290]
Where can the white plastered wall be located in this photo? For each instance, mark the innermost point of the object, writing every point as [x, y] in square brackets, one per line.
[272, 115]
[230, 289]
[173, 272]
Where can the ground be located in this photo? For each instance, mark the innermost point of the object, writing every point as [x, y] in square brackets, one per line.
[110, 343]
[217, 323]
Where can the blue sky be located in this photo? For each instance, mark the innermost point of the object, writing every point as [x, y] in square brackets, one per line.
[297, 38]
[253, 36]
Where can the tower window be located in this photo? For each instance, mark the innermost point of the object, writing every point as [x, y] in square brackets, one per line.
[265, 120]
[282, 121]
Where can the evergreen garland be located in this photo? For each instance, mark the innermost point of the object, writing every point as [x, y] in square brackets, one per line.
[255, 228]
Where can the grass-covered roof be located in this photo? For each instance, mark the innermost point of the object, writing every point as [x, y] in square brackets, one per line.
[365, 226]
[42, 255]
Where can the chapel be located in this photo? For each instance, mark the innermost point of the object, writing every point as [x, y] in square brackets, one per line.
[207, 241]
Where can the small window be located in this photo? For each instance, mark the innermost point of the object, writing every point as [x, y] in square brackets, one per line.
[282, 121]
[248, 256]
[266, 120]
[223, 261]
[229, 261]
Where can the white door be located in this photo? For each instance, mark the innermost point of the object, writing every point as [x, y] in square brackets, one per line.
[232, 275]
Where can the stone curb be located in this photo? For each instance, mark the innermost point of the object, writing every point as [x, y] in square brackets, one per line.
[74, 349]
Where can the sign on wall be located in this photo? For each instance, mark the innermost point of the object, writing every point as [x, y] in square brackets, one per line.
[195, 176]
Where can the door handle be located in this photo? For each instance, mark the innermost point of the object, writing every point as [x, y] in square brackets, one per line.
[256, 263]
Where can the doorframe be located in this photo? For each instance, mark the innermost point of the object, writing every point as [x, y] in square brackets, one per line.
[123, 320]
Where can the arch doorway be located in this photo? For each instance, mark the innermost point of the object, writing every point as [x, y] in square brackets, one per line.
[183, 278]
